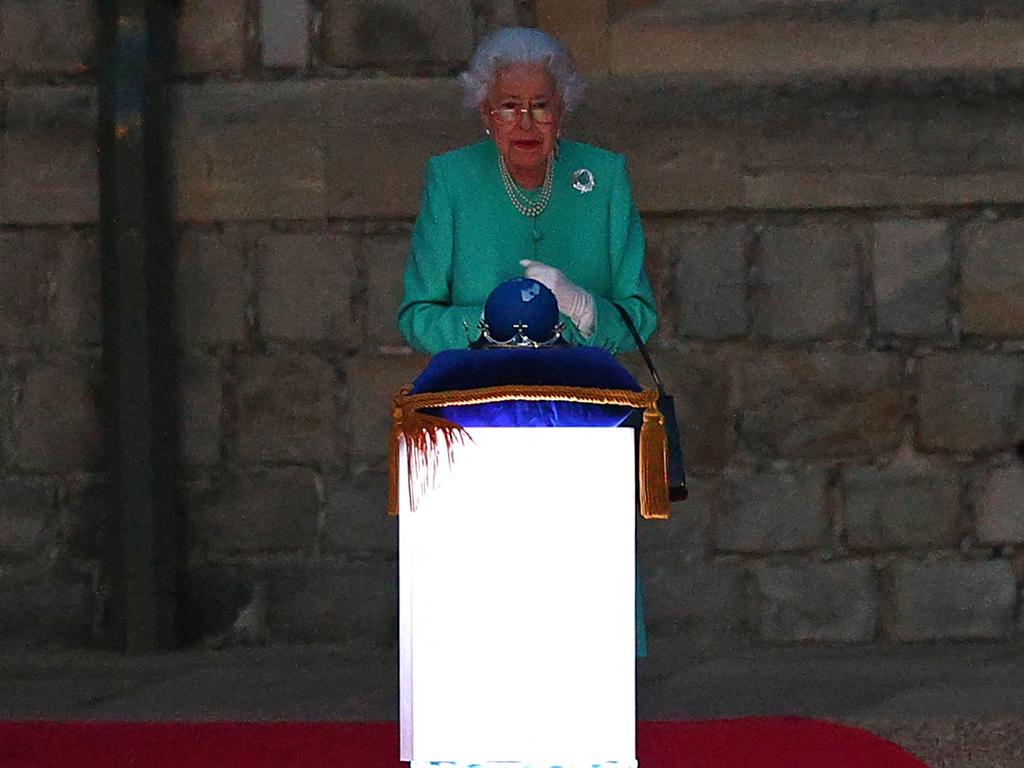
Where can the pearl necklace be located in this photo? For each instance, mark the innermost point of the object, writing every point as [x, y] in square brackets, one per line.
[522, 203]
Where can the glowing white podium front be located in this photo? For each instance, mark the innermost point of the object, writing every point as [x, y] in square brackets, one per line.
[517, 603]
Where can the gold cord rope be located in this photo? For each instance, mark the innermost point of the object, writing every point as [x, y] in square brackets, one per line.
[423, 433]
[532, 392]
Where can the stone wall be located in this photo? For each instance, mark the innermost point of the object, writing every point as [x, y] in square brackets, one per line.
[51, 455]
[778, 40]
[838, 269]
[299, 159]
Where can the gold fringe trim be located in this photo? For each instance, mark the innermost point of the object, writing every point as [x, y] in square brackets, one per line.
[422, 434]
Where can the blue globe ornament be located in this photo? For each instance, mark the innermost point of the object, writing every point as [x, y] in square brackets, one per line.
[521, 312]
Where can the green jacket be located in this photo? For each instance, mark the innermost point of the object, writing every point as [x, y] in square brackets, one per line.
[468, 238]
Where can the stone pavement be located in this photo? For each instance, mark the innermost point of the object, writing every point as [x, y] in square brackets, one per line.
[954, 705]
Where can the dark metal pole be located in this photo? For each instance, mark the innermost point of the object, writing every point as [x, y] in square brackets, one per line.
[136, 224]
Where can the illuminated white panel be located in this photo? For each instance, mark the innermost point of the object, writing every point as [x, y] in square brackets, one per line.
[517, 602]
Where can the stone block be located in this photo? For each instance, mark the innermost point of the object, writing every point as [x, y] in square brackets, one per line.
[711, 282]
[949, 600]
[360, 33]
[702, 604]
[660, 259]
[24, 289]
[372, 382]
[383, 259]
[839, 10]
[216, 595]
[816, 190]
[306, 283]
[40, 607]
[77, 315]
[48, 36]
[912, 277]
[778, 48]
[820, 404]
[57, 424]
[910, 135]
[26, 509]
[270, 511]
[200, 408]
[212, 286]
[776, 512]
[379, 135]
[970, 402]
[288, 409]
[687, 534]
[1000, 508]
[700, 385]
[813, 146]
[808, 283]
[284, 33]
[818, 602]
[582, 26]
[495, 14]
[903, 505]
[48, 157]
[356, 515]
[10, 380]
[90, 526]
[252, 151]
[213, 38]
[992, 280]
[354, 604]
[683, 155]
[49, 288]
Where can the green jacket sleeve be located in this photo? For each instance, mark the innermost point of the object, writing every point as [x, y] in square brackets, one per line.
[630, 287]
[426, 317]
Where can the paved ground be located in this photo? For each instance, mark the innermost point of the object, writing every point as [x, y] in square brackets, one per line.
[955, 706]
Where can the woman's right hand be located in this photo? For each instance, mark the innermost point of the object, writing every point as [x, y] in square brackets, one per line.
[573, 301]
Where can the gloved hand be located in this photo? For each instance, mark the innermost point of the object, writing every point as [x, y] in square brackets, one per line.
[573, 301]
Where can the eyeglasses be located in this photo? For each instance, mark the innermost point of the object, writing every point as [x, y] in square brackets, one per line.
[539, 113]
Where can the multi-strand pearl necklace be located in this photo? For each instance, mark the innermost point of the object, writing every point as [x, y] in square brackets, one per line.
[522, 203]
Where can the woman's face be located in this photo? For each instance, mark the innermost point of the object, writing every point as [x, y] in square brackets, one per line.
[524, 142]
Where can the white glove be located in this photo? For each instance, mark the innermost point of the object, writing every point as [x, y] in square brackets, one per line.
[573, 301]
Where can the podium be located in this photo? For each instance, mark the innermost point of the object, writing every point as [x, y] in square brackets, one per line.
[517, 602]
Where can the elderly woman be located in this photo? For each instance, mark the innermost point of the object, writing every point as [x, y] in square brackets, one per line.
[525, 201]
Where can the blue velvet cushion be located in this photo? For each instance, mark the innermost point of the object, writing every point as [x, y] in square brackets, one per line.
[459, 369]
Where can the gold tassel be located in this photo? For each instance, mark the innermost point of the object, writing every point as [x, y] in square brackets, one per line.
[654, 501]
[422, 434]
[394, 441]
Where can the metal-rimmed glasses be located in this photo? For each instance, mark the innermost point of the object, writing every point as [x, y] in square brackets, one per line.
[541, 114]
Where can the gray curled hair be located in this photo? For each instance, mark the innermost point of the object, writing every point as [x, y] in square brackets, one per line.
[521, 45]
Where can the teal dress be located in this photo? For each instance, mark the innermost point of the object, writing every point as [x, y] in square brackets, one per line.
[469, 237]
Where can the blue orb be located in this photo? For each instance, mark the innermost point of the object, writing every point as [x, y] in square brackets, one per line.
[525, 302]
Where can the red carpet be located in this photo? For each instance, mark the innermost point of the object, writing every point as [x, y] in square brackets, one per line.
[741, 743]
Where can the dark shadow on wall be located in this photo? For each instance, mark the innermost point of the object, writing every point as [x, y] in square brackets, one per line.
[388, 33]
[143, 569]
